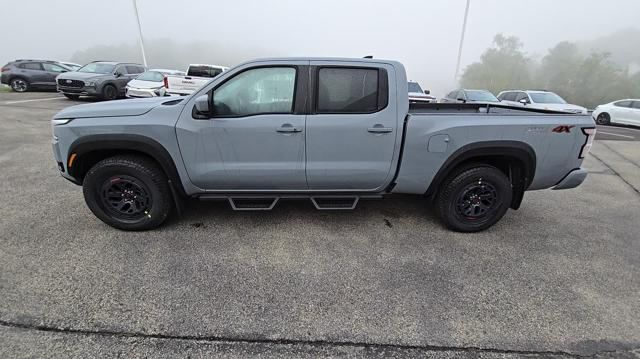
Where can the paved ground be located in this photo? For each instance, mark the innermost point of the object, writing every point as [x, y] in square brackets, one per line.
[618, 133]
[558, 278]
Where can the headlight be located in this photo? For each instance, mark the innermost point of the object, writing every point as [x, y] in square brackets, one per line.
[89, 83]
[60, 121]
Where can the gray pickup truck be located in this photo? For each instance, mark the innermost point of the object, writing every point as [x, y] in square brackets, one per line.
[330, 130]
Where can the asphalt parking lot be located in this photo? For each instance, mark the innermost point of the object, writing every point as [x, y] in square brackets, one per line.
[558, 278]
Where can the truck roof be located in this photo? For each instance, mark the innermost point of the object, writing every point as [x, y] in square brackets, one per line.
[348, 59]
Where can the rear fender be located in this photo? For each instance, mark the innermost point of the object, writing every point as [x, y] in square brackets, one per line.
[521, 177]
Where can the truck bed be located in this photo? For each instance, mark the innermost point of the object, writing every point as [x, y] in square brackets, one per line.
[477, 107]
[434, 133]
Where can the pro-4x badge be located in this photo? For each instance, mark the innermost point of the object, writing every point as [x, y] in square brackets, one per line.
[563, 129]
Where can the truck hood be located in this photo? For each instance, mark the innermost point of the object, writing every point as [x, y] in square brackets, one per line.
[129, 107]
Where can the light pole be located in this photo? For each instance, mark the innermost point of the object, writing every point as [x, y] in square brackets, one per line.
[464, 28]
[135, 9]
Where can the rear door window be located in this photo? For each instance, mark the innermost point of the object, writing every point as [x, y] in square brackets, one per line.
[31, 66]
[348, 90]
[522, 95]
[636, 104]
[623, 103]
[132, 69]
[53, 68]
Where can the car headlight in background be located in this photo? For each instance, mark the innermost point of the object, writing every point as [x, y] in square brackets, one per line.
[89, 83]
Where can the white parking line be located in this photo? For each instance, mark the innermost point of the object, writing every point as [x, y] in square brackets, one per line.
[32, 100]
[613, 134]
[619, 128]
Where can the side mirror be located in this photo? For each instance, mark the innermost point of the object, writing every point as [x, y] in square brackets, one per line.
[427, 92]
[202, 105]
[117, 74]
[524, 101]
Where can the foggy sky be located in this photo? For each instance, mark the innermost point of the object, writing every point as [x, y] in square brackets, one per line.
[423, 34]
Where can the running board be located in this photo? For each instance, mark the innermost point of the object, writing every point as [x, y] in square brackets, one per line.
[253, 204]
[335, 202]
[266, 202]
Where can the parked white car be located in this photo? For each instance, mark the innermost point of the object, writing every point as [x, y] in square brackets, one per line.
[544, 100]
[197, 76]
[625, 112]
[417, 95]
[151, 83]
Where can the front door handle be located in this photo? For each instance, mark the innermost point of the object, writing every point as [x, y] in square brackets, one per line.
[288, 128]
[380, 129]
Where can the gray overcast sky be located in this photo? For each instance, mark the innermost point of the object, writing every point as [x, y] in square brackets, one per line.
[423, 34]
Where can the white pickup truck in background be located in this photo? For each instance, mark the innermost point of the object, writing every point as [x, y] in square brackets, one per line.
[197, 76]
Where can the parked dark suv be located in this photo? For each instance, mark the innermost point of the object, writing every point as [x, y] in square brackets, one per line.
[103, 79]
[23, 75]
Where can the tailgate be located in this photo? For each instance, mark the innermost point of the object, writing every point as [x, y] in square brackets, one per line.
[185, 85]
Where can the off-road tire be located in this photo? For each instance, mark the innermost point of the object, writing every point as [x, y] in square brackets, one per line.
[450, 199]
[142, 175]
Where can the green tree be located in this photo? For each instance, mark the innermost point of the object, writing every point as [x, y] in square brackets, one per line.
[501, 67]
[598, 80]
[559, 69]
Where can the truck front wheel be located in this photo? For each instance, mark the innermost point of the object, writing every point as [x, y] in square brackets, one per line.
[128, 192]
[474, 198]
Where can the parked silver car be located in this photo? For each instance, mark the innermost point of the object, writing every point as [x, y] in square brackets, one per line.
[103, 79]
[151, 83]
[23, 75]
[467, 95]
[539, 99]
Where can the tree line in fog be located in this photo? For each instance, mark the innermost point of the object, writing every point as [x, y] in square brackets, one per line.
[605, 72]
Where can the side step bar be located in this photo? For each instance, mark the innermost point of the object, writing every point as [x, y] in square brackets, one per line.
[252, 204]
[268, 202]
[335, 202]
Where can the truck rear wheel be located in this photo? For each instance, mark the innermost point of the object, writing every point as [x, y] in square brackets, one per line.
[128, 192]
[474, 198]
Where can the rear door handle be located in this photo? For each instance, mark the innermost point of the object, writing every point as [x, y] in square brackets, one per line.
[380, 129]
[288, 128]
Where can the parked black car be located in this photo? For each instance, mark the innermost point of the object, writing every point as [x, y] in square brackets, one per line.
[22, 75]
[103, 79]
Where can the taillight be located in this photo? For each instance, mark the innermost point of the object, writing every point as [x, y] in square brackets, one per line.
[590, 132]
[166, 82]
[4, 69]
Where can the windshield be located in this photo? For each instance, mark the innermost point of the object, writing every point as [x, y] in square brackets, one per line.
[73, 67]
[414, 87]
[97, 68]
[546, 97]
[154, 76]
[480, 95]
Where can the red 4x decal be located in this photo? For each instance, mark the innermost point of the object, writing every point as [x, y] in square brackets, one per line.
[563, 128]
